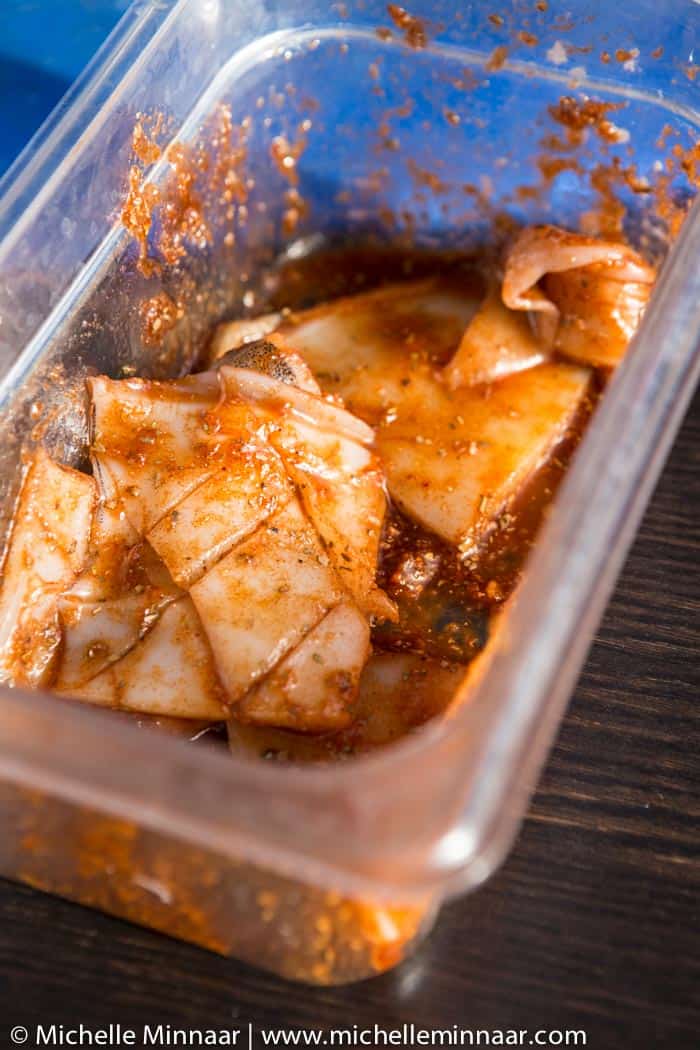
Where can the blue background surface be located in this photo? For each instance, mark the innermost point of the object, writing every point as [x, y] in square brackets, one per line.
[44, 45]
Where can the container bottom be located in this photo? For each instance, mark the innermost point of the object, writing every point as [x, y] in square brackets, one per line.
[298, 931]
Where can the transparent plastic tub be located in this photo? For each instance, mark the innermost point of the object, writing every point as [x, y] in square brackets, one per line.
[330, 874]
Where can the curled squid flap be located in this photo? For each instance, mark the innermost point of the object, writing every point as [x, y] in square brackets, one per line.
[585, 296]
[497, 342]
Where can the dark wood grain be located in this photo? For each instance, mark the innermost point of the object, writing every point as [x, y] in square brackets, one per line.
[594, 920]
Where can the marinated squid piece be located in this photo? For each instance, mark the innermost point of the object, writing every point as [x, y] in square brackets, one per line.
[221, 512]
[97, 634]
[360, 347]
[110, 556]
[47, 548]
[113, 602]
[347, 505]
[235, 536]
[399, 692]
[151, 442]
[260, 600]
[286, 401]
[314, 689]
[585, 297]
[266, 357]
[455, 460]
[340, 481]
[169, 672]
[496, 343]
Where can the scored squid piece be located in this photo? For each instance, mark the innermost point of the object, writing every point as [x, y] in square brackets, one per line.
[115, 600]
[47, 548]
[342, 490]
[124, 644]
[234, 534]
[227, 507]
[338, 478]
[398, 693]
[358, 347]
[110, 555]
[497, 342]
[263, 597]
[266, 358]
[585, 296]
[151, 443]
[98, 631]
[455, 460]
[96, 634]
[283, 399]
[314, 689]
[169, 672]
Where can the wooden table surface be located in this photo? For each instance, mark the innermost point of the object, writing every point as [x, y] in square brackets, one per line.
[593, 921]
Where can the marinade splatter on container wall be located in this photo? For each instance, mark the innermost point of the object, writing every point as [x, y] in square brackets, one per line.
[285, 155]
[611, 177]
[498, 58]
[204, 177]
[137, 216]
[159, 315]
[143, 197]
[182, 220]
[206, 186]
[413, 28]
[144, 140]
[577, 115]
[229, 147]
[670, 209]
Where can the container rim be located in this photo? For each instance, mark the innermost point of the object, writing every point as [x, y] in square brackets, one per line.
[373, 828]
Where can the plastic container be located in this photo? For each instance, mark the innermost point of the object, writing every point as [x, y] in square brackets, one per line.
[329, 874]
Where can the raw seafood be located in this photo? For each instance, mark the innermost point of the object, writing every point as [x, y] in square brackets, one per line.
[586, 297]
[49, 545]
[313, 539]
[236, 529]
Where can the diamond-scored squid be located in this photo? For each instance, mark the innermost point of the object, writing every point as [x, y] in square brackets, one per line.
[252, 539]
[49, 543]
[458, 436]
[232, 532]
